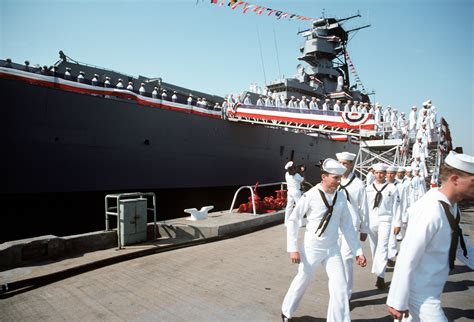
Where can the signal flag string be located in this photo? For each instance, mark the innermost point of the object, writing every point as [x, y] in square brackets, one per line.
[354, 72]
[259, 10]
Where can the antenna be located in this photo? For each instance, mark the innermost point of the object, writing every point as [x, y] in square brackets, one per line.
[276, 51]
[261, 57]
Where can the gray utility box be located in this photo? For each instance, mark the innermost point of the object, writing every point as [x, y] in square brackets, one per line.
[133, 221]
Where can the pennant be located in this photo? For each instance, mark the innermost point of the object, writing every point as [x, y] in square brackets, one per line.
[237, 4]
[248, 7]
[214, 1]
[270, 11]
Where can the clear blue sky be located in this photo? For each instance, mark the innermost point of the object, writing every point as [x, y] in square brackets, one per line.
[415, 49]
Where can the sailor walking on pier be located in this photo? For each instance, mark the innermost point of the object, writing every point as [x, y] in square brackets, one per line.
[384, 204]
[293, 185]
[327, 212]
[392, 241]
[433, 240]
[354, 189]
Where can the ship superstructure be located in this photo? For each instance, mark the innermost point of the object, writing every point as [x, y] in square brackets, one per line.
[326, 74]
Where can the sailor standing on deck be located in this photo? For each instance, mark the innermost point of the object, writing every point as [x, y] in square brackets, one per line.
[293, 186]
[303, 105]
[347, 107]
[383, 201]
[369, 179]
[327, 212]
[337, 106]
[247, 100]
[313, 105]
[433, 240]
[326, 104]
[356, 196]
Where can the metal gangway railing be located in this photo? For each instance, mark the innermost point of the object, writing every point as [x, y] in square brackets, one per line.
[382, 148]
[251, 188]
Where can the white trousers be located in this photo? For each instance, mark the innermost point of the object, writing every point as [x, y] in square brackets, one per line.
[425, 309]
[311, 258]
[392, 243]
[291, 199]
[348, 262]
[378, 239]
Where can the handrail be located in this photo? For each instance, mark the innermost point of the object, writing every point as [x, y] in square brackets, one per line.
[127, 195]
[252, 194]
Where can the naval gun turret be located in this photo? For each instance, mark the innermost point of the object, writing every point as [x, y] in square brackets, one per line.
[326, 74]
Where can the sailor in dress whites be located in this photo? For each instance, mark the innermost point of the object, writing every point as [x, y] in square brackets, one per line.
[420, 149]
[313, 105]
[293, 186]
[384, 204]
[416, 189]
[412, 120]
[402, 180]
[356, 196]
[327, 212]
[432, 241]
[392, 241]
[347, 107]
[421, 165]
[326, 104]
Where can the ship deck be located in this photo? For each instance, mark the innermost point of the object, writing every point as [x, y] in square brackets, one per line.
[241, 278]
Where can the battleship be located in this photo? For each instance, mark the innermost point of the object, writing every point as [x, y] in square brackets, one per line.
[73, 129]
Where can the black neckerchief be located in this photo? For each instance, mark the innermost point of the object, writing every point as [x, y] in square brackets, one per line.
[378, 196]
[343, 187]
[456, 234]
[327, 216]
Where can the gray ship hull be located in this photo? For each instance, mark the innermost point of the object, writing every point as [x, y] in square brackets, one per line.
[60, 141]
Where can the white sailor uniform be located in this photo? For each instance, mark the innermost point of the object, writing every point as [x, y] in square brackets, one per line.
[392, 242]
[354, 190]
[416, 190]
[380, 222]
[321, 249]
[293, 185]
[423, 266]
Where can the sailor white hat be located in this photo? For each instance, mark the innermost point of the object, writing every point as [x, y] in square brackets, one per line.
[416, 169]
[392, 168]
[333, 167]
[288, 165]
[413, 107]
[460, 161]
[345, 156]
[380, 167]
[408, 169]
[401, 169]
[327, 100]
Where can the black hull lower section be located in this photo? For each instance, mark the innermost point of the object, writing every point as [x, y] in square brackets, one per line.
[62, 152]
[65, 213]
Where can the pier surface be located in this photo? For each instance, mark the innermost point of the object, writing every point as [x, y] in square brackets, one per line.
[237, 279]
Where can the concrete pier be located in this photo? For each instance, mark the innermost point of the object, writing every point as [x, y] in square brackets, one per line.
[234, 279]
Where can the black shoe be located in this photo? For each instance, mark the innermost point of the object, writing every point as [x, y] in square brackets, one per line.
[285, 319]
[380, 283]
[390, 263]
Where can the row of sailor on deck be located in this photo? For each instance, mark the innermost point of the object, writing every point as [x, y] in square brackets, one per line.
[393, 206]
[157, 93]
